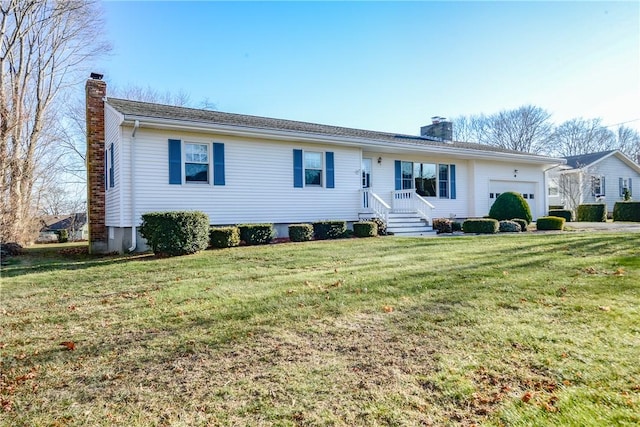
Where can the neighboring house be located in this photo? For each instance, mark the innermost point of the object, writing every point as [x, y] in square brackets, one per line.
[237, 168]
[75, 224]
[595, 177]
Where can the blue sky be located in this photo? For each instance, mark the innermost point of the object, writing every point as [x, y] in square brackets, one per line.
[385, 66]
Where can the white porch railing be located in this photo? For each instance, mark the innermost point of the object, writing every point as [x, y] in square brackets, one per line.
[410, 201]
[371, 201]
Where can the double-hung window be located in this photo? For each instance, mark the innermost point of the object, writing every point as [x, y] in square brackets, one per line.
[312, 169]
[596, 186]
[196, 162]
[443, 181]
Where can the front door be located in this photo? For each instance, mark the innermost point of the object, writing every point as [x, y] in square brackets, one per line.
[366, 173]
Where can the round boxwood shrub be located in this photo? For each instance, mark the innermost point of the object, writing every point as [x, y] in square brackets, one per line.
[562, 213]
[522, 223]
[175, 233]
[550, 223]
[329, 229]
[365, 229]
[481, 226]
[256, 234]
[300, 232]
[626, 211]
[507, 226]
[510, 205]
[224, 237]
[592, 212]
[456, 226]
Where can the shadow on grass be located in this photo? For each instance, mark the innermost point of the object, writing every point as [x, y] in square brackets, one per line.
[51, 258]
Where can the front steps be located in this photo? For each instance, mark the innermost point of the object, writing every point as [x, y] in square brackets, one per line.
[408, 224]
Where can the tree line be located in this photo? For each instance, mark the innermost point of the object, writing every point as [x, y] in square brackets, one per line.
[530, 129]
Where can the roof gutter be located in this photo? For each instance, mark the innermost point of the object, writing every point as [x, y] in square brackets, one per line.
[285, 135]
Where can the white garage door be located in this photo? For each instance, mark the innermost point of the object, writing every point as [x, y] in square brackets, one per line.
[527, 189]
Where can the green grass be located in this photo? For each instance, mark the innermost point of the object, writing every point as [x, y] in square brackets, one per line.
[514, 330]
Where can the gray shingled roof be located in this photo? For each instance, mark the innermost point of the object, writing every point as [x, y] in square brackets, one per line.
[159, 111]
[586, 159]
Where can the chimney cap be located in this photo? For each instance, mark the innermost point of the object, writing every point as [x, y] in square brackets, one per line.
[97, 76]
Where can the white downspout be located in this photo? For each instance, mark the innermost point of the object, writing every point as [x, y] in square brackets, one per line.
[134, 231]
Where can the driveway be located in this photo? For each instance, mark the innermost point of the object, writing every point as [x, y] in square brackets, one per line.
[631, 227]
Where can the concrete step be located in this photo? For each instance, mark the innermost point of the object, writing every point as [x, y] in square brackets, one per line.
[410, 229]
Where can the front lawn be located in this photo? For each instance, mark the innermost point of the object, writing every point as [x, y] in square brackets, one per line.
[513, 330]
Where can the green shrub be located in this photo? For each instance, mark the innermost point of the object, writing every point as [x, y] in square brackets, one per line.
[63, 236]
[510, 205]
[507, 226]
[300, 232]
[456, 226]
[553, 207]
[550, 223]
[256, 234]
[592, 212]
[323, 230]
[382, 225]
[443, 225]
[224, 237]
[562, 213]
[626, 211]
[175, 233]
[481, 226]
[365, 229]
[522, 223]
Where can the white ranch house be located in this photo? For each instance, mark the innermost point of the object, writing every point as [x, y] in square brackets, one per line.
[246, 169]
[599, 177]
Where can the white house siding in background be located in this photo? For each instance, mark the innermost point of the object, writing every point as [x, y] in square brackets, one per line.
[613, 168]
[258, 182]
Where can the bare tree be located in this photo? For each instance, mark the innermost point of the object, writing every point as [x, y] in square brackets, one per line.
[468, 128]
[45, 46]
[629, 142]
[581, 136]
[526, 129]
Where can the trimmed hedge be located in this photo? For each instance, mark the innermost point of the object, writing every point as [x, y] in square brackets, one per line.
[256, 234]
[562, 213]
[365, 229]
[456, 226]
[626, 211]
[63, 236]
[481, 226]
[510, 205]
[323, 230]
[507, 226]
[592, 212]
[300, 232]
[550, 223]
[175, 233]
[382, 226]
[522, 223]
[224, 237]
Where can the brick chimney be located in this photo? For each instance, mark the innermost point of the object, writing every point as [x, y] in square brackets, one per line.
[96, 91]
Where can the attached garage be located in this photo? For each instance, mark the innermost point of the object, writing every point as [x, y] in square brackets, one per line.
[527, 189]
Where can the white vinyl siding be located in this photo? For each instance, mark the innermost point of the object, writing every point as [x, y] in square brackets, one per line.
[259, 182]
[114, 196]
